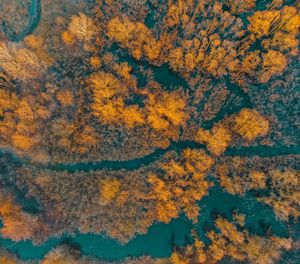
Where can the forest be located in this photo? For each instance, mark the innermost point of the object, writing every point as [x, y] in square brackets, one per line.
[116, 116]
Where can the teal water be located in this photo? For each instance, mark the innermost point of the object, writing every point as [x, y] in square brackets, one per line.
[261, 151]
[160, 237]
[157, 243]
[178, 146]
[34, 19]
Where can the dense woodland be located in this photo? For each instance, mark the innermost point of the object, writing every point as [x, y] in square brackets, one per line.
[212, 85]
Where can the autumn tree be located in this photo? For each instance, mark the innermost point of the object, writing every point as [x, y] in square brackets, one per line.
[273, 64]
[65, 97]
[228, 241]
[217, 61]
[209, 47]
[181, 184]
[232, 185]
[62, 255]
[193, 253]
[95, 62]
[123, 70]
[109, 105]
[134, 36]
[261, 67]
[278, 27]
[26, 130]
[284, 198]
[236, 179]
[62, 130]
[20, 63]
[251, 63]
[8, 104]
[217, 139]
[261, 22]
[250, 124]
[109, 189]
[81, 27]
[166, 110]
[85, 139]
[240, 6]
[18, 123]
[8, 258]
[18, 225]
[258, 180]
[242, 246]
[39, 46]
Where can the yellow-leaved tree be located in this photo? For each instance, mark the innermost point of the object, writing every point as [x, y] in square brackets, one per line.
[250, 124]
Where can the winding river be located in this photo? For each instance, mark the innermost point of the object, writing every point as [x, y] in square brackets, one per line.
[35, 16]
[160, 237]
[261, 151]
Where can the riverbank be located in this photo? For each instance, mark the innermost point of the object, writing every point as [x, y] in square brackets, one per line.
[34, 19]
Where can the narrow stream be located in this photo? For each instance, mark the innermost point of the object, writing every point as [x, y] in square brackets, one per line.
[35, 16]
[160, 237]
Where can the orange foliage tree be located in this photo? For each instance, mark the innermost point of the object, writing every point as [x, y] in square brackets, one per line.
[218, 60]
[240, 182]
[285, 193]
[65, 97]
[109, 106]
[217, 139]
[134, 36]
[263, 66]
[62, 255]
[166, 110]
[242, 246]
[81, 27]
[7, 258]
[17, 225]
[20, 63]
[240, 6]
[109, 189]
[228, 242]
[278, 27]
[250, 124]
[181, 184]
[273, 64]
[18, 125]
